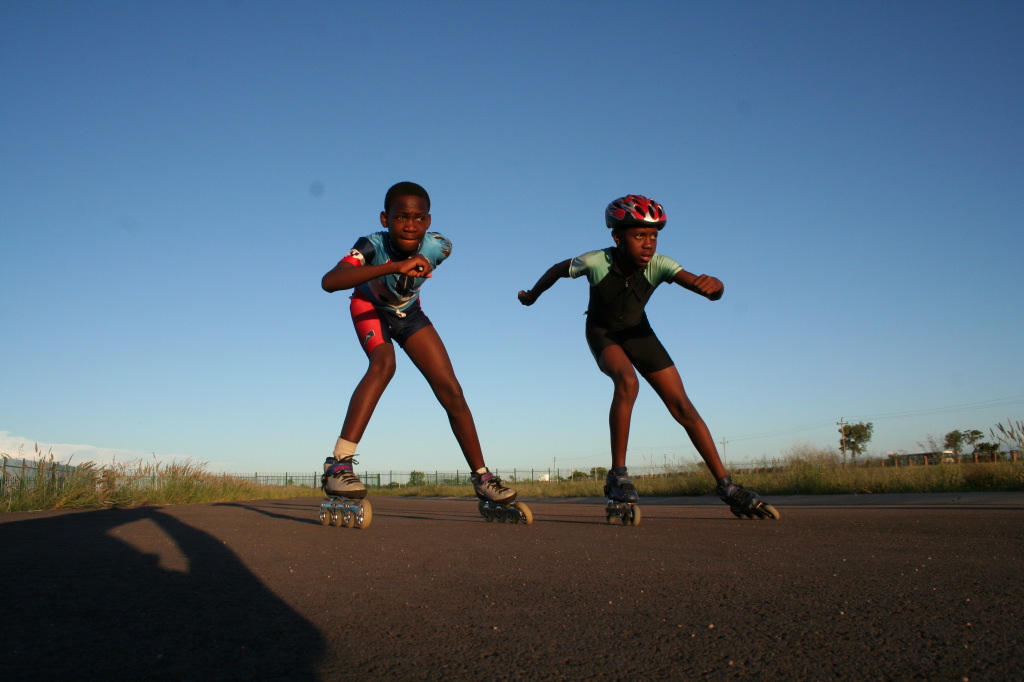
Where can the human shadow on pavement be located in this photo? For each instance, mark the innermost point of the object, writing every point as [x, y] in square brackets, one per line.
[312, 512]
[81, 601]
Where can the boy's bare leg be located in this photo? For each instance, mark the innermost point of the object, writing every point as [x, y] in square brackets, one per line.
[428, 353]
[368, 392]
[669, 387]
[617, 366]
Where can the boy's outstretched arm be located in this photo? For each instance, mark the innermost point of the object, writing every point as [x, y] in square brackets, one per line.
[554, 273]
[705, 285]
[345, 275]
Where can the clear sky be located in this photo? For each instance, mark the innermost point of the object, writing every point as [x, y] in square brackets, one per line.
[176, 177]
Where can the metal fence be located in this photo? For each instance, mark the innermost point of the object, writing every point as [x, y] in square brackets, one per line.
[26, 471]
[30, 469]
[398, 479]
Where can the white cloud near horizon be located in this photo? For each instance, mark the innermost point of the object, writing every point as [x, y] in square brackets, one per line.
[18, 447]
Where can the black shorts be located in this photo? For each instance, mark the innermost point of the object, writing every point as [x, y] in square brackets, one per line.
[640, 344]
[375, 326]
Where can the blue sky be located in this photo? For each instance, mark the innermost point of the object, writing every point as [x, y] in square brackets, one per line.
[176, 178]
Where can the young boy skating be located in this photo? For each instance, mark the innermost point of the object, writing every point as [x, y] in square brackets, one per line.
[622, 278]
[386, 269]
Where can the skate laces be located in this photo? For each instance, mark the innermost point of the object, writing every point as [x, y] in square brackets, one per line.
[343, 470]
[492, 482]
[735, 494]
[622, 482]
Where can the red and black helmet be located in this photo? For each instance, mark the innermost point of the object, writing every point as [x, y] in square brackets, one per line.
[634, 211]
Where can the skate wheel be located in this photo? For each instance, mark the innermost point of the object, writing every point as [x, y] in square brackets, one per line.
[770, 512]
[348, 518]
[633, 518]
[363, 517]
[500, 515]
[522, 513]
[325, 518]
[336, 518]
[610, 518]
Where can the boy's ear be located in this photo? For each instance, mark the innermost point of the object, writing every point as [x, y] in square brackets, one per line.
[383, 219]
[615, 237]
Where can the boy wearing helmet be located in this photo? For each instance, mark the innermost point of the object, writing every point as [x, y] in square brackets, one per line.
[622, 279]
[386, 269]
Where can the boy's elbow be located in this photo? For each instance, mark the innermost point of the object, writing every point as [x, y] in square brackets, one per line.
[329, 286]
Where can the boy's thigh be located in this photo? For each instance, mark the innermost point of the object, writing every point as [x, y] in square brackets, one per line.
[639, 345]
[375, 326]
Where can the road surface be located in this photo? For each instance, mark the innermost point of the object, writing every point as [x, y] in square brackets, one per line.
[843, 587]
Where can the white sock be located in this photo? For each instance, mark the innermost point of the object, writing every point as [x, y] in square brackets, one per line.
[480, 472]
[344, 448]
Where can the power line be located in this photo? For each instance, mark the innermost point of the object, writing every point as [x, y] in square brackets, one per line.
[968, 407]
[783, 432]
[951, 409]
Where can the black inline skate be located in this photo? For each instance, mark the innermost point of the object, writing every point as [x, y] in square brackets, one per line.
[743, 503]
[622, 498]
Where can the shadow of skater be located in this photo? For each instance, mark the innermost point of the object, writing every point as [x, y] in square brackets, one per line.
[80, 603]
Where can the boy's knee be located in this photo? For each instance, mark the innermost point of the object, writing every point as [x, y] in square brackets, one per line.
[627, 386]
[452, 398]
[685, 413]
[382, 365]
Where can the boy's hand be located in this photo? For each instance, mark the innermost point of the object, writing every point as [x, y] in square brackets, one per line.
[527, 297]
[709, 287]
[417, 266]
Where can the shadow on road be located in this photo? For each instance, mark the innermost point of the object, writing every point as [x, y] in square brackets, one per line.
[176, 603]
[304, 514]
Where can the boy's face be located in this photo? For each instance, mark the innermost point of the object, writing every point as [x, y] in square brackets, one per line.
[407, 221]
[637, 244]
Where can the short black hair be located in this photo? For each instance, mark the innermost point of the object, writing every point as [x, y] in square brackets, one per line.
[406, 188]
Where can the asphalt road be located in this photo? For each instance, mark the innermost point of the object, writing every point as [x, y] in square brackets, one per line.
[846, 587]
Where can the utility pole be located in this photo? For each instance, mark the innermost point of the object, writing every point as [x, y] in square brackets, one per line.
[842, 429]
[725, 457]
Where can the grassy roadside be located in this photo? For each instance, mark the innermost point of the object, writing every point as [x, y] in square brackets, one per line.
[56, 486]
[132, 484]
[792, 478]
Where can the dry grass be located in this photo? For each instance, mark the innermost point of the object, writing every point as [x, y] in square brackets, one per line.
[803, 471]
[49, 484]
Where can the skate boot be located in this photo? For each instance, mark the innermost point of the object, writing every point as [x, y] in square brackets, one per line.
[618, 487]
[743, 503]
[622, 498]
[345, 505]
[498, 501]
[340, 480]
